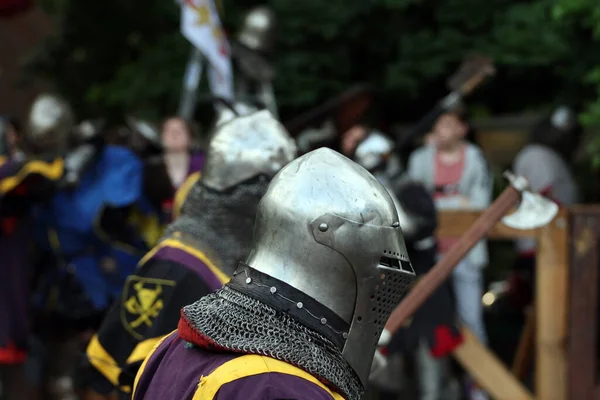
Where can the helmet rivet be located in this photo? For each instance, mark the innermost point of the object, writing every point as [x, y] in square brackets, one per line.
[299, 304]
[396, 224]
[273, 289]
[345, 335]
[323, 227]
[323, 321]
[248, 280]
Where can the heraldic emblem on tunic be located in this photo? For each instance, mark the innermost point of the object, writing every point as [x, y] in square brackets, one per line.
[142, 302]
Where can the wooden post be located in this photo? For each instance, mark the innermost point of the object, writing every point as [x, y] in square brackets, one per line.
[488, 371]
[552, 294]
[552, 275]
[583, 309]
[525, 351]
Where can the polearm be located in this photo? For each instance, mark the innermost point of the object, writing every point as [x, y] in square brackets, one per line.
[195, 68]
[267, 94]
[471, 74]
[534, 211]
[191, 80]
[191, 83]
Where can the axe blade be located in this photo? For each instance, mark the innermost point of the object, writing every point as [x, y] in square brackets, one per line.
[533, 212]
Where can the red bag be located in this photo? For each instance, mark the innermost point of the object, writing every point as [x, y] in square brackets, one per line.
[8, 8]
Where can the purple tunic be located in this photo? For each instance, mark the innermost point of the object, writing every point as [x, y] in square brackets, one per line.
[14, 294]
[15, 248]
[178, 371]
[196, 162]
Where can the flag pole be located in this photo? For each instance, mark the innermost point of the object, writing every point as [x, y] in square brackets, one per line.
[191, 83]
[201, 25]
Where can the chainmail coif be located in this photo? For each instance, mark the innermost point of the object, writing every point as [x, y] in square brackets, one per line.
[224, 222]
[239, 323]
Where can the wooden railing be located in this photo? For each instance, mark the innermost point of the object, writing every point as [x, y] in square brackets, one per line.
[550, 317]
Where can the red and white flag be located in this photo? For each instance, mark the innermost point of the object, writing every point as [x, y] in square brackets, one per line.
[200, 24]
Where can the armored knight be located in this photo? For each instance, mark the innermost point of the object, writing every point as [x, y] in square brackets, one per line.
[433, 328]
[250, 50]
[302, 316]
[415, 206]
[23, 181]
[86, 246]
[547, 164]
[200, 249]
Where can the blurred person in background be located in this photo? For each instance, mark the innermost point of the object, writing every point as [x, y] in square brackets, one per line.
[10, 138]
[433, 327]
[85, 244]
[23, 183]
[252, 51]
[456, 173]
[352, 138]
[177, 159]
[170, 158]
[199, 251]
[181, 159]
[429, 139]
[546, 162]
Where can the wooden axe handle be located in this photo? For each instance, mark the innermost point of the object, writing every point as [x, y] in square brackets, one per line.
[438, 274]
[472, 83]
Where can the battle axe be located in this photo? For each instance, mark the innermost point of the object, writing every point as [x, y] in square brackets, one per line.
[534, 211]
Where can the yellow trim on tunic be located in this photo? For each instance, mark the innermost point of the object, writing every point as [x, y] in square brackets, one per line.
[221, 276]
[183, 192]
[53, 171]
[103, 361]
[250, 365]
[108, 366]
[142, 350]
[148, 225]
[143, 366]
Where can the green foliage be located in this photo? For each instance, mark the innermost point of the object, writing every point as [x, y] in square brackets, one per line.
[116, 56]
[585, 14]
[112, 55]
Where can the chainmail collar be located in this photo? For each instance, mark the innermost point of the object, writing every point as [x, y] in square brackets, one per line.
[236, 321]
[221, 222]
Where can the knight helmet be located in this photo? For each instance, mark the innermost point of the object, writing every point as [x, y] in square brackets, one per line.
[50, 123]
[258, 30]
[245, 147]
[373, 151]
[327, 228]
